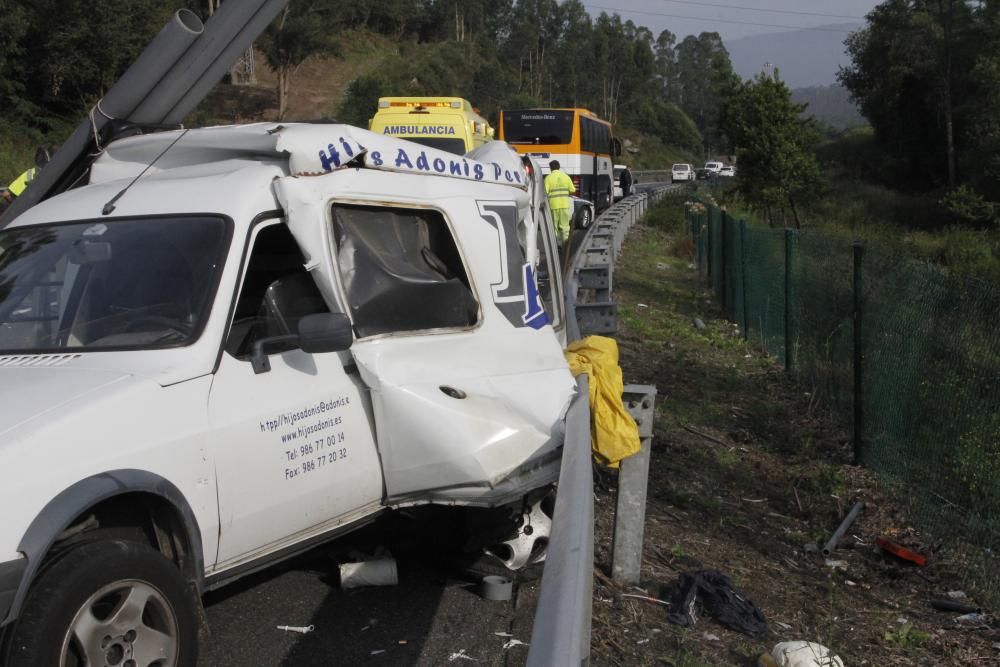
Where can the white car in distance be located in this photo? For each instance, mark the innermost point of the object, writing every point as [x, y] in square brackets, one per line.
[712, 166]
[681, 172]
[728, 170]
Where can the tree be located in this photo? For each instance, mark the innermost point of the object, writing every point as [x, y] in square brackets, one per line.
[704, 76]
[301, 30]
[909, 66]
[13, 27]
[777, 167]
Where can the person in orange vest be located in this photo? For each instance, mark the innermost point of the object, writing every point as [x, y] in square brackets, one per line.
[559, 186]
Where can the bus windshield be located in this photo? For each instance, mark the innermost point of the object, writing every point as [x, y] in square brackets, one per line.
[537, 126]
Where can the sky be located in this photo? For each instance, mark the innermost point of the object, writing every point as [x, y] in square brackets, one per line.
[729, 17]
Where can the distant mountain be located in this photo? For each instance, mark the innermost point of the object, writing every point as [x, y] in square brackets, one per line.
[829, 104]
[803, 57]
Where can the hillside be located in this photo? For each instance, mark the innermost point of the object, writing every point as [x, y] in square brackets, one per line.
[831, 105]
[317, 89]
[803, 57]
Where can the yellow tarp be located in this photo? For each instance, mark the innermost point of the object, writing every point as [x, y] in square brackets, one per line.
[614, 434]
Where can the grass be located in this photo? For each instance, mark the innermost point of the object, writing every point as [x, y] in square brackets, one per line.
[744, 472]
[17, 152]
[911, 225]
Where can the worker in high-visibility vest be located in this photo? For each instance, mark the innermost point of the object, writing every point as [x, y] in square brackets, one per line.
[18, 185]
[559, 186]
[42, 156]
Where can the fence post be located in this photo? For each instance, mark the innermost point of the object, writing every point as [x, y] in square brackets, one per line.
[858, 286]
[744, 268]
[710, 249]
[788, 299]
[722, 269]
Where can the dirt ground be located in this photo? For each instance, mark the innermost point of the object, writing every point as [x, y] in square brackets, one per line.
[745, 470]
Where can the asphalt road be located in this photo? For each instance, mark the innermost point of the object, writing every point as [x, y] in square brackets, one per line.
[431, 617]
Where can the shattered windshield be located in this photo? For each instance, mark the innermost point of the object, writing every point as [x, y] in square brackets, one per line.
[124, 283]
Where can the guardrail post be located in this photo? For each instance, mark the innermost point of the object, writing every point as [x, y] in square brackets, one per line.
[633, 476]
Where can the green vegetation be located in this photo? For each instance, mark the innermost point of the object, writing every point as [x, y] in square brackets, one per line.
[831, 106]
[663, 94]
[777, 166]
[907, 637]
[927, 76]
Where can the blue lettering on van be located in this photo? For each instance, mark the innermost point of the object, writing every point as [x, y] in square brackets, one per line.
[439, 165]
[347, 147]
[422, 163]
[377, 158]
[329, 161]
[455, 168]
[497, 170]
[534, 312]
[478, 171]
[402, 158]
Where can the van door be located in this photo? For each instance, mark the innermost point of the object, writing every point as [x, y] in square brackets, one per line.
[295, 454]
[469, 385]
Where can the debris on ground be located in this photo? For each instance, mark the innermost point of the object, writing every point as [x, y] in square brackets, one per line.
[842, 529]
[804, 654]
[461, 655]
[301, 629]
[953, 605]
[376, 570]
[900, 552]
[711, 593]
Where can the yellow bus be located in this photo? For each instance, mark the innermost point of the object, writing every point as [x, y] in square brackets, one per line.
[579, 139]
[448, 123]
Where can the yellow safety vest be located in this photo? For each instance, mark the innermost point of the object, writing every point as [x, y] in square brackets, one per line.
[559, 187]
[19, 184]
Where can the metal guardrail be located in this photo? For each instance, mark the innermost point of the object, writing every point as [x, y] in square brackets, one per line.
[561, 631]
[651, 174]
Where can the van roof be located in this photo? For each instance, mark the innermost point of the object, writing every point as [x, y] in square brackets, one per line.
[310, 149]
[210, 166]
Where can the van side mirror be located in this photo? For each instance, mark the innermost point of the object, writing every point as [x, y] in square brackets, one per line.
[325, 332]
[317, 333]
[616, 147]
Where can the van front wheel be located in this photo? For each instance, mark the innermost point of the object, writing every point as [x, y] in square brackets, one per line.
[108, 602]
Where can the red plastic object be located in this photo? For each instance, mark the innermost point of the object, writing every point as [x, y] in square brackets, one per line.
[901, 552]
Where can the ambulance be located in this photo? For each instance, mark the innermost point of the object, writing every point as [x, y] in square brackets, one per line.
[446, 123]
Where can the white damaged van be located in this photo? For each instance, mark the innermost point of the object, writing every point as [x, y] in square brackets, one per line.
[236, 342]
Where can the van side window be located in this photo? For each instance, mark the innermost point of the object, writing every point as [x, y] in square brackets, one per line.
[401, 270]
[276, 293]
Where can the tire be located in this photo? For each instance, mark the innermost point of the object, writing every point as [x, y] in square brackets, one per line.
[584, 218]
[119, 602]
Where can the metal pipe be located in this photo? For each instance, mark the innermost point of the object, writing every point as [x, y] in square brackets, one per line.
[267, 12]
[844, 525]
[71, 160]
[231, 23]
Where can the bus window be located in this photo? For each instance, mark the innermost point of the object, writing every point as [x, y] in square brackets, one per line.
[534, 126]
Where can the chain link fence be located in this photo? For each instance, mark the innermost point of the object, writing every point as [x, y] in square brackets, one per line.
[904, 354]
